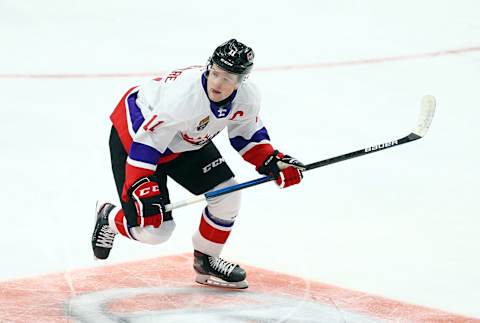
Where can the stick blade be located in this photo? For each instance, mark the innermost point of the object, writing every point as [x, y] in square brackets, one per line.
[427, 111]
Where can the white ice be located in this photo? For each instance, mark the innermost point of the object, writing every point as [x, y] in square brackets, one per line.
[402, 223]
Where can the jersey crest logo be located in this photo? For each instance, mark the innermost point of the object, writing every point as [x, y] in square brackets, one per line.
[203, 123]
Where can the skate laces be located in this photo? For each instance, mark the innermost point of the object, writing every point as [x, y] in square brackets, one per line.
[105, 237]
[221, 265]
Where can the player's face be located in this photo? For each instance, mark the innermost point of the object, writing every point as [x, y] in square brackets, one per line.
[220, 84]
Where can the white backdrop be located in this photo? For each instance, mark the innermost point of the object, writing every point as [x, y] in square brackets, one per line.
[402, 223]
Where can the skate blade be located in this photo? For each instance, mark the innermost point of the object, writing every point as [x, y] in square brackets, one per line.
[98, 259]
[217, 282]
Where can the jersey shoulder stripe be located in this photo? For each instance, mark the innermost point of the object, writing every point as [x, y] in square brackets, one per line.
[136, 116]
[144, 153]
[240, 142]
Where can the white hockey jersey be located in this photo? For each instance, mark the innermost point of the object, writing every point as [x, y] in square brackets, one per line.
[173, 114]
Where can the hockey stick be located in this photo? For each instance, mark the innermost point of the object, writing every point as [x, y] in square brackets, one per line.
[427, 111]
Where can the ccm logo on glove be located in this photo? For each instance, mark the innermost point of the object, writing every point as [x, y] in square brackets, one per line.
[153, 188]
[148, 201]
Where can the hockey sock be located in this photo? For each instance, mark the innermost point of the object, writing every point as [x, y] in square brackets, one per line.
[118, 222]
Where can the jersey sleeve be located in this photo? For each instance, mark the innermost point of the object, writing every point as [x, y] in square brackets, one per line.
[250, 138]
[150, 143]
[152, 136]
[247, 134]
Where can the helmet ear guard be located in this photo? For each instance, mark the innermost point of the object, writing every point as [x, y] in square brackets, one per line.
[233, 57]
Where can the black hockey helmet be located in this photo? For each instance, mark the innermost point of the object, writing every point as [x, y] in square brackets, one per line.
[233, 57]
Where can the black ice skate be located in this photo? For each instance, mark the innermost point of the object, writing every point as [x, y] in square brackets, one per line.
[215, 271]
[102, 237]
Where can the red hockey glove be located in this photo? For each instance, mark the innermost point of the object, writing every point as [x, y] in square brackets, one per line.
[285, 169]
[148, 201]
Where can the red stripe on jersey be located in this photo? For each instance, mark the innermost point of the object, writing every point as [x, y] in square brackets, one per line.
[258, 154]
[168, 158]
[120, 121]
[211, 233]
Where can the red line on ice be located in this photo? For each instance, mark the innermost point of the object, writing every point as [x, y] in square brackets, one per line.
[377, 60]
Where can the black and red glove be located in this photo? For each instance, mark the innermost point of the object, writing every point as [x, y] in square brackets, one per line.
[148, 201]
[285, 169]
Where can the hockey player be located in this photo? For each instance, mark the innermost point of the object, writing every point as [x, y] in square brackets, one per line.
[164, 129]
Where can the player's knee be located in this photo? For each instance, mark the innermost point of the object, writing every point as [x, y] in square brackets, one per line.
[152, 235]
[226, 206]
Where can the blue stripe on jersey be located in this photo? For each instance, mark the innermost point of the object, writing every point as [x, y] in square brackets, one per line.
[136, 116]
[218, 221]
[144, 153]
[239, 142]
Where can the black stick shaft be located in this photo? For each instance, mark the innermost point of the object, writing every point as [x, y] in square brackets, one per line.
[362, 152]
[329, 161]
[333, 160]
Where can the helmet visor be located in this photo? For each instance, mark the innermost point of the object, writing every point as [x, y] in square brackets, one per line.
[221, 75]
